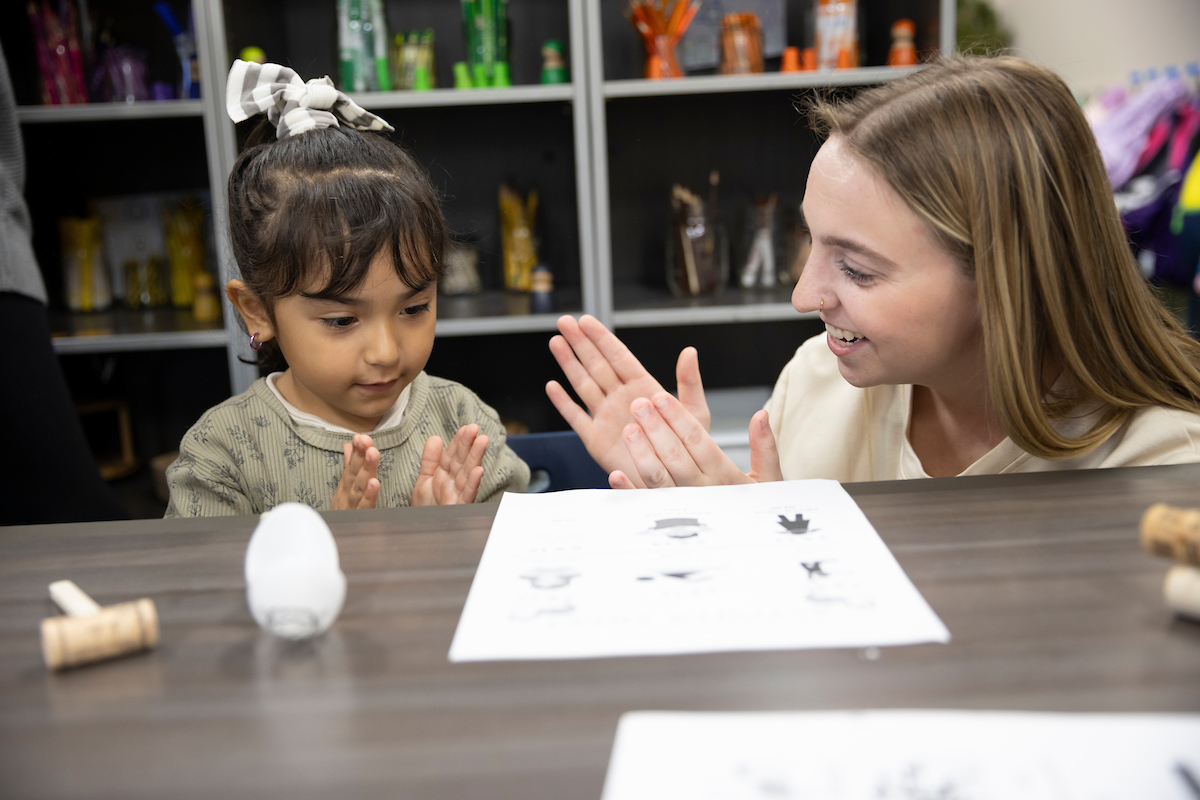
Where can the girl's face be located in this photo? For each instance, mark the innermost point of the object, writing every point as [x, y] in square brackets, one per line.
[897, 307]
[349, 359]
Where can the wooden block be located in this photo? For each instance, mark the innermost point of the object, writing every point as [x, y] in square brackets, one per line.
[117, 630]
[1172, 532]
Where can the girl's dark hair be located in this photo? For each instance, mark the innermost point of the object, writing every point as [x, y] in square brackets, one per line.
[321, 205]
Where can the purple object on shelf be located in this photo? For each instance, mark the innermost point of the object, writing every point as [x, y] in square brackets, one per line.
[163, 91]
[121, 76]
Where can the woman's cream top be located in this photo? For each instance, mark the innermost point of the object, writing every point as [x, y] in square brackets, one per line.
[827, 428]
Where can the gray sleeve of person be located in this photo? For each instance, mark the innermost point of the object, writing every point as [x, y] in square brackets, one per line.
[18, 267]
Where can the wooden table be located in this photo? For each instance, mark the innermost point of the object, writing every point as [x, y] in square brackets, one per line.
[1050, 602]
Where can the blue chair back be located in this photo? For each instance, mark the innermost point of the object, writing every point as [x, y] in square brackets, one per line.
[557, 461]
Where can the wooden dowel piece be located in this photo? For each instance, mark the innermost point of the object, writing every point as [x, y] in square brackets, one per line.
[1172, 532]
[72, 600]
[69, 641]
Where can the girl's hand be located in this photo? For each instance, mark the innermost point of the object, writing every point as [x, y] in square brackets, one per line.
[670, 447]
[358, 488]
[453, 475]
[607, 377]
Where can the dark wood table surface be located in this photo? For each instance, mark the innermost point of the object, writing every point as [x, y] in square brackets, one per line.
[1051, 604]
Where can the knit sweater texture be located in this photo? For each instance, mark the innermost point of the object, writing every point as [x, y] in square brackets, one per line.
[246, 455]
[18, 267]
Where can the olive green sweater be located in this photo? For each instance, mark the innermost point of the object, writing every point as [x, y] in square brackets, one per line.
[246, 455]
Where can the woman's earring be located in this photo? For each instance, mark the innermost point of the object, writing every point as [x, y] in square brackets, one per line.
[255, 344]
[819, 310]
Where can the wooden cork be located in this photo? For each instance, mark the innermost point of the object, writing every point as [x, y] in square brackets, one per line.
[1172, 532]
[89, 633]
[1181, 590]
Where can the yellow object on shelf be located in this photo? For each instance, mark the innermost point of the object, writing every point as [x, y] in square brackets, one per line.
[184, 229]
[86, 278]
[516, 237]
[207, 307]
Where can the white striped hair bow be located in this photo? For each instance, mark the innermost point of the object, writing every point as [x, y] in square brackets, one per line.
[292, 105]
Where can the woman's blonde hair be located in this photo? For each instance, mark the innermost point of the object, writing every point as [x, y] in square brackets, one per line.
[996, 155]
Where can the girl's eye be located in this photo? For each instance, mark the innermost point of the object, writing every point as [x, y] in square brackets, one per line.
[413, 311]
[338, 322]
[861, 278]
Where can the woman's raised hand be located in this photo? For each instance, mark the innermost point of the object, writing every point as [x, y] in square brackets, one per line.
[607, 377]
[669, 447]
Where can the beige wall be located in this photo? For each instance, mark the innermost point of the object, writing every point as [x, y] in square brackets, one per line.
[1095, 43]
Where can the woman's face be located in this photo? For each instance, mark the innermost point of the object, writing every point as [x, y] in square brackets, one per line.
[897, 307]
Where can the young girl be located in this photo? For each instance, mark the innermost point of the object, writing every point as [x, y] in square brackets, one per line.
[983, 312]
[338, 234]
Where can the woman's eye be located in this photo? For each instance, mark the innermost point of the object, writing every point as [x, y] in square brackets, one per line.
[854, 275]
[412, 311]
[338, 322]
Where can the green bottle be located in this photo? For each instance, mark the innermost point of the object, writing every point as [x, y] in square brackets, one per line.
[554, 70]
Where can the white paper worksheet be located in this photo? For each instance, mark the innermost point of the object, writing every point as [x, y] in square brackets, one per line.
[771, 566]
[905, 755]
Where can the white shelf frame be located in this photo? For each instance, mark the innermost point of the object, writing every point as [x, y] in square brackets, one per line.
[767, 81]
[138, 342]
[110, 112]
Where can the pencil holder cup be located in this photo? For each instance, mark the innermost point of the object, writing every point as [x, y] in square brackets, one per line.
[660, 60]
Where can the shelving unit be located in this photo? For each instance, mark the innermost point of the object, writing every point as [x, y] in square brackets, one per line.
[530, 135]
[647, 135]
[602, 151]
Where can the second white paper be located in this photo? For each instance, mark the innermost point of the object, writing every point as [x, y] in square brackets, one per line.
[771, 566]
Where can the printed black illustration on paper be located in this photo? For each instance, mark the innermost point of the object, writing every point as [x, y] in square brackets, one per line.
[798, 525]
[549, 577]
[814, 569]
[679, 527]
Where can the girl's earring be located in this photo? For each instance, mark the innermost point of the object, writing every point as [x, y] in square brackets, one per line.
[255, 344]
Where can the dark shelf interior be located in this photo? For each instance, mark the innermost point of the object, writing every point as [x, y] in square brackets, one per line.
[167, 391]
[470, 151]
[758, 141]
[634, 297]
[69, 164]
[126, 22]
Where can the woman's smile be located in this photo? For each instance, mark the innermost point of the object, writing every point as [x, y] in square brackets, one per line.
[843, 338]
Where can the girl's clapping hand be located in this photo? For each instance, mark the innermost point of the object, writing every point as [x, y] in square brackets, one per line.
[359, 486]
[453, 475]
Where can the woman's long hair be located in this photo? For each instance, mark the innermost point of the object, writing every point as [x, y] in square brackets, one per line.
[996, 155]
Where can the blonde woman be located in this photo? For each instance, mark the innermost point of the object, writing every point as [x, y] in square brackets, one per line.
[983, 311]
